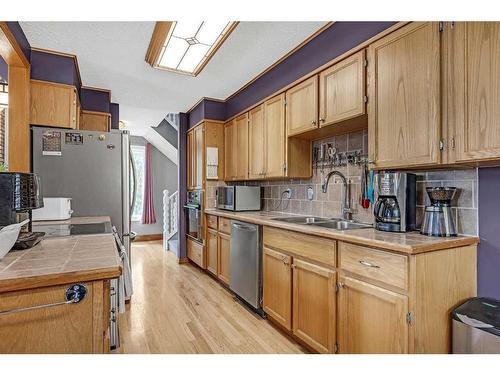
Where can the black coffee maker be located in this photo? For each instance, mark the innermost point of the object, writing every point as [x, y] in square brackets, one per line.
[396, 200]
[19, 194]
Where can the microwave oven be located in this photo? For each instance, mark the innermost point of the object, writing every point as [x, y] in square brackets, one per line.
[238, 198]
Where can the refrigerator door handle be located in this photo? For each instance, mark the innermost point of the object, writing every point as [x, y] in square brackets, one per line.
[134, 184]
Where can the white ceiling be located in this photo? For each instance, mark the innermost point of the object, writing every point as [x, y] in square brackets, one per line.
[111, 55]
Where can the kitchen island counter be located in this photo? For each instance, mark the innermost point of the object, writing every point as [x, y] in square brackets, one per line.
[61, 260]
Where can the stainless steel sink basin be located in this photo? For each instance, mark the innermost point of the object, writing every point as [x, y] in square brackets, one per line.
[337, 224]
[341, 225]
[301, 219]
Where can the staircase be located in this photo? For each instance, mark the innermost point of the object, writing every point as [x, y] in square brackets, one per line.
[170, 209]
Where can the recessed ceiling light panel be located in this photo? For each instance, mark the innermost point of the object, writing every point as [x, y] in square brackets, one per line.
[186, 46]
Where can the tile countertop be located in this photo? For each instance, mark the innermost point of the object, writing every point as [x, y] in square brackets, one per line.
[61, 260]
[407, 243]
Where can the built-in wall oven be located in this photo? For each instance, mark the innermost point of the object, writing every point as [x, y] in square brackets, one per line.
[194, 217]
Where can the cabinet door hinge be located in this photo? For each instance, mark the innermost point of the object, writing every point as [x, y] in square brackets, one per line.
[441, 26]
[409, 318]
[284, 166]
[365, 63]
[336, 348]
[365, 98]
[441, 144]
[284, 102]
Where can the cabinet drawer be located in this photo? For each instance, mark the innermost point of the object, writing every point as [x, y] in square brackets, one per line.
[212, 221]
[224, 225]
[195, 252]
[310, 247]
[391, 269]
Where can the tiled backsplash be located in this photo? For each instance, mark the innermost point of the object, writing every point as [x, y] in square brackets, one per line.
[329, 204]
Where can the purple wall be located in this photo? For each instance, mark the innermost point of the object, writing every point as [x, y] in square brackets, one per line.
[207, 109]
[94, 100]
[4, 70]
[18, 33]
[114, 109]
[331, 43]
[54, 68]
[488, 262]
[182, 182]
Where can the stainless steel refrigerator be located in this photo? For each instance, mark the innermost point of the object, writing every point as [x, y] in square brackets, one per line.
[95, 170]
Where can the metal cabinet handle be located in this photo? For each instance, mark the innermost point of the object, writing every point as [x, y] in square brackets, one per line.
[285, 261]
[321, 120]
[313, 122]
[368, 264]
[74, 294]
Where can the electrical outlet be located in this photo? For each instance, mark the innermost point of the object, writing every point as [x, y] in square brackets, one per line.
[288, 193]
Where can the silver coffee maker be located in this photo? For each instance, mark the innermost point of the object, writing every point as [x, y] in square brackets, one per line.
[438, 217]
[396, 199]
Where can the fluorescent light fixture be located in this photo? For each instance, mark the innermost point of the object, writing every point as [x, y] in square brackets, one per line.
[188, 45]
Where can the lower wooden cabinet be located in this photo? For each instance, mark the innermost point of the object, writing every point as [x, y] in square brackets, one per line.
[70, 328]
[277, 290]
[196, 252]
[371, 319]
[212, 258]
[224, 257]
[314, 300]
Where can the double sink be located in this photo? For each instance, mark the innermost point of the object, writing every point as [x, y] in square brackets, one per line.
[337, 224]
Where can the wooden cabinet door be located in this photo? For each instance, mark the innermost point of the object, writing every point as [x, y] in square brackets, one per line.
[198, 155]
[371, 319]
[190, 161]
[474, 55]
[224, 258]
[314, 305]
[52, 104]
[212, 259]
[73, 328]
[277, 287]
[256, 143]
[241, 149]
[231, 147]
[275, 136]
[302, 107]
[404, 97]
[342, 90]
[95, 121]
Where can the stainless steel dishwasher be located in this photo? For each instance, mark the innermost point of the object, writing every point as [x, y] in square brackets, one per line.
[246, 263]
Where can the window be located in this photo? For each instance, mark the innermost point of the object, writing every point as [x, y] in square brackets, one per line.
[139, 155]
[187, 46]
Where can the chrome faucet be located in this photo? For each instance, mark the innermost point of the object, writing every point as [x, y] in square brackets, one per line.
[346, 206]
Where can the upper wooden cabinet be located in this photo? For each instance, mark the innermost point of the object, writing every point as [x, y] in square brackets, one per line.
[236, 140]
[342, 90]
[275, 137]
[207, 134]
[472, 90]
[404, 97]
[256, 143]
[371, 319]
[54, 104]
[302, 107]
[95, 121]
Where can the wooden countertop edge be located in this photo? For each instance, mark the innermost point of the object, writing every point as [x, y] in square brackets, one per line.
[38, 281]
[346, 237]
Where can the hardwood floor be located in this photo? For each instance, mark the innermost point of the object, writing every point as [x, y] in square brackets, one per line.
[180, 309]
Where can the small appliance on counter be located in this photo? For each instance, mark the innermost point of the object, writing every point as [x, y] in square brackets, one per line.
[238, 198]
[53, 209]
[19, 194]
[438, 217]
[396, 200]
